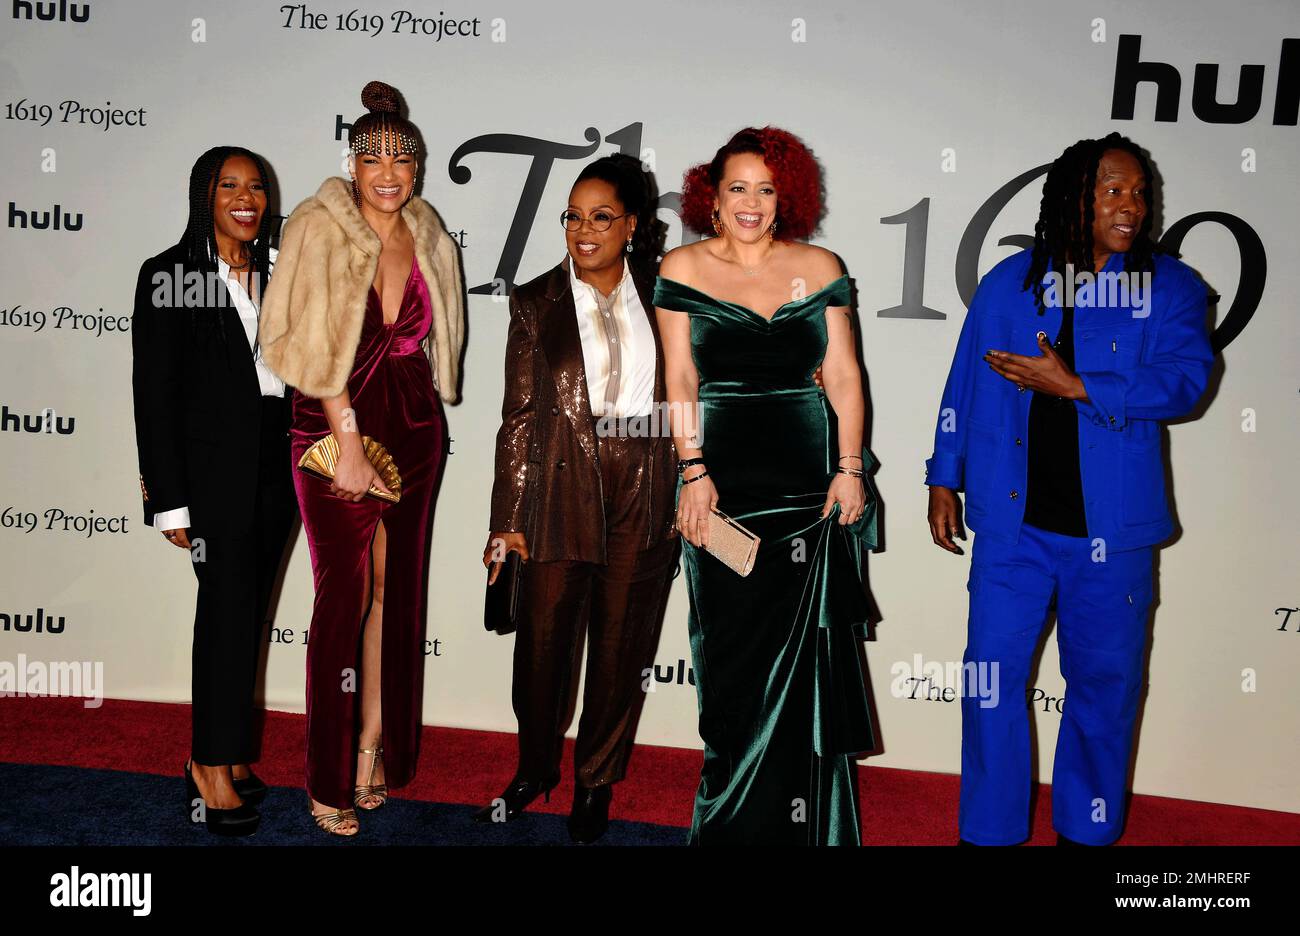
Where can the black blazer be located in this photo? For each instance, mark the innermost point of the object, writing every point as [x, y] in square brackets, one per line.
[198, 409]
[547, 479]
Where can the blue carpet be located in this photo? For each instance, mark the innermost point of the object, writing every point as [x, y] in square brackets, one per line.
[45, 805]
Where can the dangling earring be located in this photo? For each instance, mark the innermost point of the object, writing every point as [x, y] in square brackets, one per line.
[717, 223]
[771, 231]
[628, 246]
[356, 195]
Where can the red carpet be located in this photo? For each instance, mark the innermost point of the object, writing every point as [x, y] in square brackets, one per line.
[899, 807]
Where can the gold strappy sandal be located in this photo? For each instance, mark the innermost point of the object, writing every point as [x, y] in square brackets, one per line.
[377, 790]
[331, 821]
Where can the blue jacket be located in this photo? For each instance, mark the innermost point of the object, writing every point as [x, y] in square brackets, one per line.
[1140, 363]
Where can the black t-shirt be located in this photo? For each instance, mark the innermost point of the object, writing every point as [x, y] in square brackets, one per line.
[1054, 501]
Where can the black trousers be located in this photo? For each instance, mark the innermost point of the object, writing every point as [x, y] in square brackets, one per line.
[237, 572]
[618, 607]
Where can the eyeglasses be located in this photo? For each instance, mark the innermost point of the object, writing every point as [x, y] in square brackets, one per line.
[600, 220]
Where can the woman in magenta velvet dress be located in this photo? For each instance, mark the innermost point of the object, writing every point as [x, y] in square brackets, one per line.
[369, 260]
[392, 396]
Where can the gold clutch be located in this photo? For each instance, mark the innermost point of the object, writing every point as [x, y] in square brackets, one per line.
[321, 459]
[731, 544]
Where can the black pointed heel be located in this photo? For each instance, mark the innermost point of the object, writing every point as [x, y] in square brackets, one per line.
[517, 796]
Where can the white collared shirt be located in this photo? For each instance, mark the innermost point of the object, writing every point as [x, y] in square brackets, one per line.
[267, 381]
[618, 346]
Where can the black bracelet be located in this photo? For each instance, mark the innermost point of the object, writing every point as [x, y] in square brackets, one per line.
[702, 474]
[684, 463]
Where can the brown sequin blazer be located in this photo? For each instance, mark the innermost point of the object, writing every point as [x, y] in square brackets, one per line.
[547, 482]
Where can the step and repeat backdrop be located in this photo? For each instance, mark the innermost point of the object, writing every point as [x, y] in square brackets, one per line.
[933, 122]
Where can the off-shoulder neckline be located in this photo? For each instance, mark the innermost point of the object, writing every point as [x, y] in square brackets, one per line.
[745, 308]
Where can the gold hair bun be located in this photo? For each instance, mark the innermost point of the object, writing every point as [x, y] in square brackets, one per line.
[377, 96]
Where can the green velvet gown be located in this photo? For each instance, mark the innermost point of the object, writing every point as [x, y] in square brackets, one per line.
[777, 654]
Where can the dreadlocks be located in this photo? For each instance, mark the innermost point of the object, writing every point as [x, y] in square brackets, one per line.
[200, 238]
[1063, 234]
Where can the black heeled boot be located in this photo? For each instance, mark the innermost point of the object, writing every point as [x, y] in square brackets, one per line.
[516, 797]
[240, 821]
[590, 815]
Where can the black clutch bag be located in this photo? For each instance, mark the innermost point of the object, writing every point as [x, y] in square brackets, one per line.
[501, 607]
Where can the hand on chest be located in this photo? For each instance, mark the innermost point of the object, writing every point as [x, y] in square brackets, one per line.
[1104, 339]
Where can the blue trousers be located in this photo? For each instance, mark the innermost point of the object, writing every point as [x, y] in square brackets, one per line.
[1101, 630]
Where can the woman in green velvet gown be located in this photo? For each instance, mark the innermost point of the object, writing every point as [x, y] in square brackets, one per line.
[776, 654]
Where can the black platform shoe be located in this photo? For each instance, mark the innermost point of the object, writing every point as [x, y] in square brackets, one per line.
[251, 789]
[517, 796]
[590, 815]
[242, 820]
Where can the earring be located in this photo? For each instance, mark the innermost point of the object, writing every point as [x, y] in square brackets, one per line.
[717, 223]
[628, 247]
[771, 231]
[356, 195]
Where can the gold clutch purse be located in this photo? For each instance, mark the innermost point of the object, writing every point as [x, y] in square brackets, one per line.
[731, 544]
[321, 459]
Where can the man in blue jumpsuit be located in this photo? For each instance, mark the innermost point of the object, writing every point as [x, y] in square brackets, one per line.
[1071, 355]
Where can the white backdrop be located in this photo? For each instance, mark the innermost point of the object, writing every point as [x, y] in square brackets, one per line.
[945, 102]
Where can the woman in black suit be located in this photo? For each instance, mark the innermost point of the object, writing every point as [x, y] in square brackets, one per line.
[211, 426]
[584, 492]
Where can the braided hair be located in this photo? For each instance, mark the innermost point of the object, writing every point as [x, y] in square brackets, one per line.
[636, 189]
[1064, 235]
[200, 238]
[383, 128]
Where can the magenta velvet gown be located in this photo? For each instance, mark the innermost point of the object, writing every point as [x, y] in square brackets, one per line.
[395, 402]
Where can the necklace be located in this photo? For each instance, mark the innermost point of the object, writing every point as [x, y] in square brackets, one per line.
[758, 269]
[232, 266]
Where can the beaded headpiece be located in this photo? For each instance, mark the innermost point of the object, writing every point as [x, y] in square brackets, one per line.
[382, 137]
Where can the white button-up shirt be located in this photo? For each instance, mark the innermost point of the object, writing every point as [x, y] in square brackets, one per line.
[618, 346]
[267, 381]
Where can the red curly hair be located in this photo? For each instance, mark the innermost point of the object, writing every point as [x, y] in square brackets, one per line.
[798, 178]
